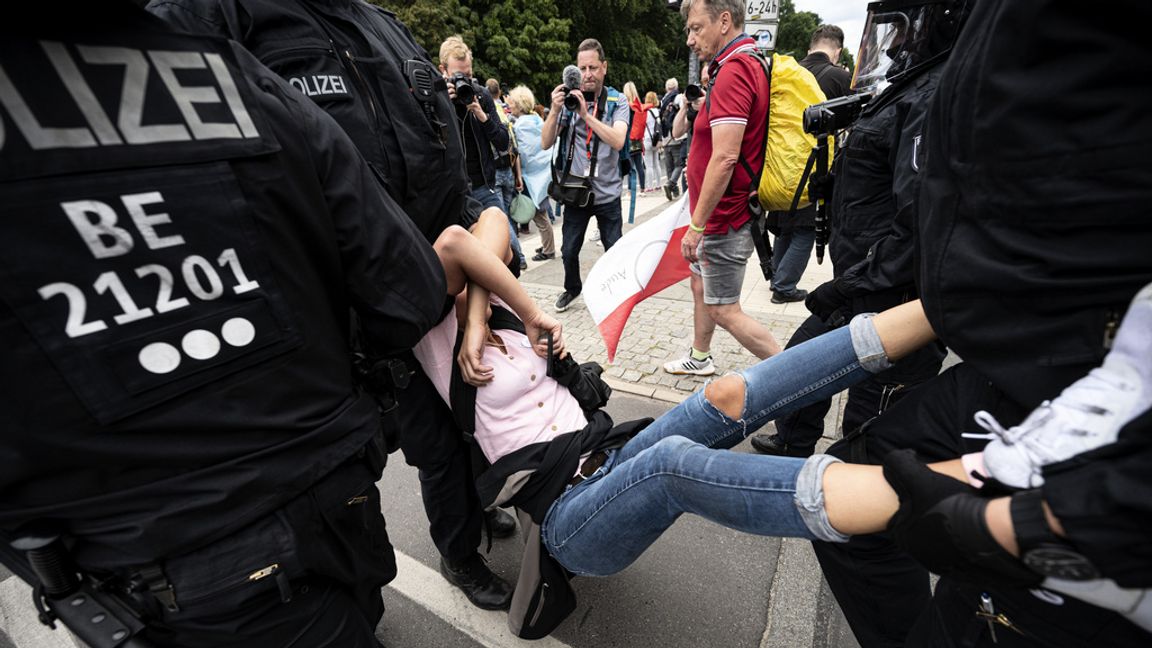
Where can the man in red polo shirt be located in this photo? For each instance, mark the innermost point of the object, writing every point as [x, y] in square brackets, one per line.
[729, 127]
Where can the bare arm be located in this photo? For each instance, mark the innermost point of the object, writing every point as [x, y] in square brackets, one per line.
[903, 329]
[472, 258]
[614, 135]
[859, 500]
[726, 139]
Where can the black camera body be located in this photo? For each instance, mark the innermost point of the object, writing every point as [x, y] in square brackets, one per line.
[572, 98]
[466, 88]
[834, 115]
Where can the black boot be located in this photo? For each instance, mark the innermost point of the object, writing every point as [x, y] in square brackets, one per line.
[500, 523]
[772, 444]
[484, 589]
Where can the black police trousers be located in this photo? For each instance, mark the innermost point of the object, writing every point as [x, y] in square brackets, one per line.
[885, 594]
[432, 442]
[305, 576]
[804, 427]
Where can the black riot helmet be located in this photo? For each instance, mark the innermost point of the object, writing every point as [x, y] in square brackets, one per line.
[903, 37]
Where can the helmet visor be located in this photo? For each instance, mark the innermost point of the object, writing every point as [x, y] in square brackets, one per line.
[901, 37]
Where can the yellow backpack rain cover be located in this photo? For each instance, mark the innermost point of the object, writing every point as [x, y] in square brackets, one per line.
[793, 89]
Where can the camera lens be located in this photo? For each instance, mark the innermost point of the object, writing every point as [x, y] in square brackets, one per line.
[572, 101]
[464, 93]
[693, 92]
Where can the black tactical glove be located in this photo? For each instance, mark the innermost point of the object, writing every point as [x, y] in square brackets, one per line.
[941, 524]
[827, 301]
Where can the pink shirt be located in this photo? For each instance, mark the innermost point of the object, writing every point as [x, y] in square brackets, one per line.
[520, 406]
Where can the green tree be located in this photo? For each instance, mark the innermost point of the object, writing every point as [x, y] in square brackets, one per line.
[527, 41]
[795, 30]
[795, 33]
[515, 41]
[643, 41]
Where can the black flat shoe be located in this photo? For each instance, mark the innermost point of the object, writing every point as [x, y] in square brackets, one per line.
[500, 523]
[540, 256]
[771, 444]
[484, 589]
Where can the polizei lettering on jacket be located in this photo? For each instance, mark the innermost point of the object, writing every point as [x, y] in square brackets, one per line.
[317, 85]
[126, 96]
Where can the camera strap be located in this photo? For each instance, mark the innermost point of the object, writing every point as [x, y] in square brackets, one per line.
[570, 131]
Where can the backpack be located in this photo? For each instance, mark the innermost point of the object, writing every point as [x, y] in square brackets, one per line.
[652, 127]
[793, 89]
[507, 158]
[668, 110]
[616, 97]
[786, 146]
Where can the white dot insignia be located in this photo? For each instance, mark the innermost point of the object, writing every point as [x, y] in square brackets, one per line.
[159, 358]
[200, 344]
[238, 332]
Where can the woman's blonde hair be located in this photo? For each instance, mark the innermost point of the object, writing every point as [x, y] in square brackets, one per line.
[521, 100]
[651, 98]
[630, 92]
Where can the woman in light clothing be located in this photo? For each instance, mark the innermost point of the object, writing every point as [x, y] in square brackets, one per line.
[654, 178]
[535, 164]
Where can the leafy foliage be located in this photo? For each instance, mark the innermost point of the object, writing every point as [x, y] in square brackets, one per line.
[515, 41]
[530, 41]
[795, 33]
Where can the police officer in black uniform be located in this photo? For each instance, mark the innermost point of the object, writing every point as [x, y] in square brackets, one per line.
[361, 65]
[184, 237]
[1027, 304]
[873, 210]
[1034, 234]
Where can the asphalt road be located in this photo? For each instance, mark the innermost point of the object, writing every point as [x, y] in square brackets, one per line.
[699, 585]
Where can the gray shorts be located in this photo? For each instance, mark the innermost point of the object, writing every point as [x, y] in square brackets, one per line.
[722, 260]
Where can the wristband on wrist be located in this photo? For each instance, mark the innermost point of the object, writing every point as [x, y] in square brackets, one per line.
[692, 226]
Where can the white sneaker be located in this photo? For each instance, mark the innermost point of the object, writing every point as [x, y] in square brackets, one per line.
[595, 235]
[1088, 414]
[689, 365]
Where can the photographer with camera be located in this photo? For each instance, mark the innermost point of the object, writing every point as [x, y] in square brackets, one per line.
[482, 132]
[590, 122]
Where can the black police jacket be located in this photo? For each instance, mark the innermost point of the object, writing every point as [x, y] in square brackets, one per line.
[184, 236]
[873, 202]
[1035, 231]
[361, 65]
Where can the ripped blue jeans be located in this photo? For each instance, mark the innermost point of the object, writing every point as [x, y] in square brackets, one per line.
[680, 463]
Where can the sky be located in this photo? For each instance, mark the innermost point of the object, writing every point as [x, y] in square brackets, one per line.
[846, 14]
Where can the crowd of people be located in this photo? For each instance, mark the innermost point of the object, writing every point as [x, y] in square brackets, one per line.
[255, 246]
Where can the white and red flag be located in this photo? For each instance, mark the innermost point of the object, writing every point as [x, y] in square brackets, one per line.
[641, 264]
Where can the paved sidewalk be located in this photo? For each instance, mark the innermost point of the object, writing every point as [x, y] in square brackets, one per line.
[660, 328]
[801, 611]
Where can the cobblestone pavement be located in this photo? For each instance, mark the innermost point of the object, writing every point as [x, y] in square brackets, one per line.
[660, 328]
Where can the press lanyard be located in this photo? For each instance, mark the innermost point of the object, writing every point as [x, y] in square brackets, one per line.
[588, 132]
